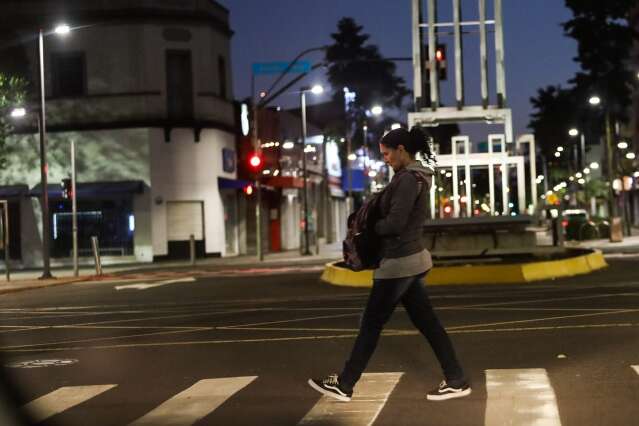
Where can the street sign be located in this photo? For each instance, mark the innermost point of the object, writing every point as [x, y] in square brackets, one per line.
[278, 67]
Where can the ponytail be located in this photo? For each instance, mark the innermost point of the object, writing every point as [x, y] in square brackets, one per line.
[415, 142]
[420, 144]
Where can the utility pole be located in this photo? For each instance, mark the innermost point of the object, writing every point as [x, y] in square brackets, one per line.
[74, 211]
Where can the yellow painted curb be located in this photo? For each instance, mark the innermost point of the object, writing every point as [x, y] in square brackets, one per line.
[481, 274]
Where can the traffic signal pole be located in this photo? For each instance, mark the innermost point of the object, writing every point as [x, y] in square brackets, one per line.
[256, 146]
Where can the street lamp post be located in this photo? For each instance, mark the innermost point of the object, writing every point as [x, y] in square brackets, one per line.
[612, 203]
[46, 260]
[317, 89]
[42, 128]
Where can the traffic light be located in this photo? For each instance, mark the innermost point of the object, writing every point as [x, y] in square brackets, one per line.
[440, 58]
[440, 63]
[255, 162]
[67, 189]
[248, 189]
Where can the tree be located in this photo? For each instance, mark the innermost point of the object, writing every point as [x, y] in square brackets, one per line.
[556, 113]
[605, 40]
[362, 69]
[12, 94]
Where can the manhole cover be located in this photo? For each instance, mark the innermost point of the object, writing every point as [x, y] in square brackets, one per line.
[40, 363]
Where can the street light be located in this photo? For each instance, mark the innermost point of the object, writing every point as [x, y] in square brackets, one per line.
[377, 110]
[612, 201]
[582, 153]
[61, 29]
[317, 89]
[18, 112]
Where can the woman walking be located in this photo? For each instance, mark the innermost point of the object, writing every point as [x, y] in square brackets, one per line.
[399, 277]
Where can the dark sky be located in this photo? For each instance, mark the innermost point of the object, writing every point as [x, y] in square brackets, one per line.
[537, 52]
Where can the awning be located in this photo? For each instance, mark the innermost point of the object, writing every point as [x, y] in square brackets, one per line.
[13, 191]
[225, 183]
[92, 189]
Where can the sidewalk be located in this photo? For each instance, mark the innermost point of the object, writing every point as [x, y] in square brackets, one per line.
[627, 246]
[30, 279]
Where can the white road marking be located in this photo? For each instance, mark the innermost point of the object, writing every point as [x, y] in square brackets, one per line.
[520, 397]
[636, 368]
[144, 286]
[62, 399]
[369, 397]
[293, 339]
[194, 403]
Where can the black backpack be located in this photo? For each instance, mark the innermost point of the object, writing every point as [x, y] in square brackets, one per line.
[361, 248]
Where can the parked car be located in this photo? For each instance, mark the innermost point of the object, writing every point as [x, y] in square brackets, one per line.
[578, 226]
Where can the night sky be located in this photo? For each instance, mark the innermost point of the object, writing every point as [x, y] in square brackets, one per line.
[537, 52]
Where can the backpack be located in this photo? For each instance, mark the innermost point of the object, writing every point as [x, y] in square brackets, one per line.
[361, 247]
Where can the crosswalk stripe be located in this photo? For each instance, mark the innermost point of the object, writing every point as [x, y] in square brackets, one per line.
[520, 397]
[192, 404]
[636, 368]
[371, 394]
[62, 399]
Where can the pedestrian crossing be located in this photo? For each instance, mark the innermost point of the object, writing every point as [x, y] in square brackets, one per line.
[513, 396]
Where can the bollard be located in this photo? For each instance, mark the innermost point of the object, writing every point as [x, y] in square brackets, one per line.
[557, 232]
[4, 236]
[96, 255]
[192, 248]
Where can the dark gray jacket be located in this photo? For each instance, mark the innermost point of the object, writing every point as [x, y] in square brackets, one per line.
[403, 212]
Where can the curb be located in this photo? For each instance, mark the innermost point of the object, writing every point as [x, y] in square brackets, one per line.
[23, 285]
[481, 274]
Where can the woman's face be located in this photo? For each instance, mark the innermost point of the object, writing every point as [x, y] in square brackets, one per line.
[397, 158]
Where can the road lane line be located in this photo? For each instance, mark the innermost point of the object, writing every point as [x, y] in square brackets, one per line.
[194, 403]
[520, 397]
[62, 399]
[523, 302]
[636, 368]
[369, 397]
[462, 327]
[292, 339]
[290, 320]
[99, 339]
[144, 286]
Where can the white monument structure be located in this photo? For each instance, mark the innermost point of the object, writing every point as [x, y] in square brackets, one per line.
[501, 156]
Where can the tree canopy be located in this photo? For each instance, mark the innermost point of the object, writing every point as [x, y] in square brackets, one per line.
[12, 94]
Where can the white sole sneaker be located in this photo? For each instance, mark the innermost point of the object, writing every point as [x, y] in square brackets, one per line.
[328, 392]
[449, 395]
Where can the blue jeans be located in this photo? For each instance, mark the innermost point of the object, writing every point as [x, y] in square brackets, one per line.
[384, 296]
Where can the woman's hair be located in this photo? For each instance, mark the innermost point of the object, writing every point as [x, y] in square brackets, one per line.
[414, 141]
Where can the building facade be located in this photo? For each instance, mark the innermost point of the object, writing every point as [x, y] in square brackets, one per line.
[144, 89]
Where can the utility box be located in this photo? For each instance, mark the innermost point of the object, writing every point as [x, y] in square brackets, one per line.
[616, 230]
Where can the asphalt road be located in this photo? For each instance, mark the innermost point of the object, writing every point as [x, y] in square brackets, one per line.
[238, 350]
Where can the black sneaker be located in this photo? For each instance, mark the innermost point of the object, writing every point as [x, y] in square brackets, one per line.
[445, 391]
[330, 386]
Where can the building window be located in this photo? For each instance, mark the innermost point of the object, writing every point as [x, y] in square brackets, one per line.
[68, 74]
[221, 68]
[179, 84]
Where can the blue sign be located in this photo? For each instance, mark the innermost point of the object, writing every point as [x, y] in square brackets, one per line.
[228, 160]
[298, 67]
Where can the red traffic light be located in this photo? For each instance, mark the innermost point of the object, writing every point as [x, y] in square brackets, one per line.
[255, 162]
